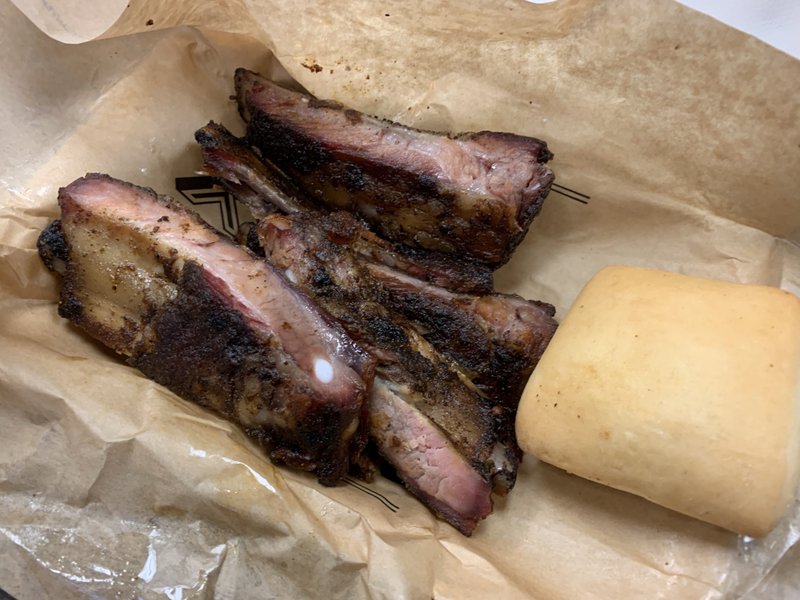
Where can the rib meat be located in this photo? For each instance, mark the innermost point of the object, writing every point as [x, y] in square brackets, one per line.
[264, 188]
[210, 321]
[425, 460]
[473, 194]
[443, 440]
[496, 338]
[257, 183]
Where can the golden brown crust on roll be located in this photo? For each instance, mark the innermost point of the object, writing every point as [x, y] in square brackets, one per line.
[682, 390]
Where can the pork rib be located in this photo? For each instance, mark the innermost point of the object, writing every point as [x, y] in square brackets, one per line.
[473, 194]
[425, 460]
[264, 188]
[442, 439]
[210, 321]
[257, 183]
[497, 338]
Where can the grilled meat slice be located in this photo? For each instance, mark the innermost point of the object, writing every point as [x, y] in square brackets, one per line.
[496, 338]
[473, 194]
[423, 458]
[257, 183]
[210, 321]
[445, 422]
[264, 188]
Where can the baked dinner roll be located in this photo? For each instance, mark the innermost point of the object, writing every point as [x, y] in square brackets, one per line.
[682, 390]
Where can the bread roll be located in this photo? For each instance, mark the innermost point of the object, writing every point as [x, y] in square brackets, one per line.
[682, 390]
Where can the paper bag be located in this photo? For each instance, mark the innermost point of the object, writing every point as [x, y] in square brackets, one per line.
[676, 142]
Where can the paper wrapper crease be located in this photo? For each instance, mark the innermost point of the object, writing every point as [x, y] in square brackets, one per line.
[685, 135]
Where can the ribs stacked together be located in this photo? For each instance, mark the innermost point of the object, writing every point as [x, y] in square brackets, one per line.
[361, 307]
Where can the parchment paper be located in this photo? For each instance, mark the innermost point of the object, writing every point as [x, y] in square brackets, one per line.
[684, 133]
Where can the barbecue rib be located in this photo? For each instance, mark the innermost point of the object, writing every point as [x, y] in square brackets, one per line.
[473, 194]
[259, 184]
[443, 440]
[210, 321]
[425, 460]
[496, 338]
[263, 188]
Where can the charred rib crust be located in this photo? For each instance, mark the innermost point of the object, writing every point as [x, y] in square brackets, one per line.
[500, 361]
[272, 137]
[52, 247]
[466, 276]
[179, 322]
[403, 201]
[383, 186]
[205, 352]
